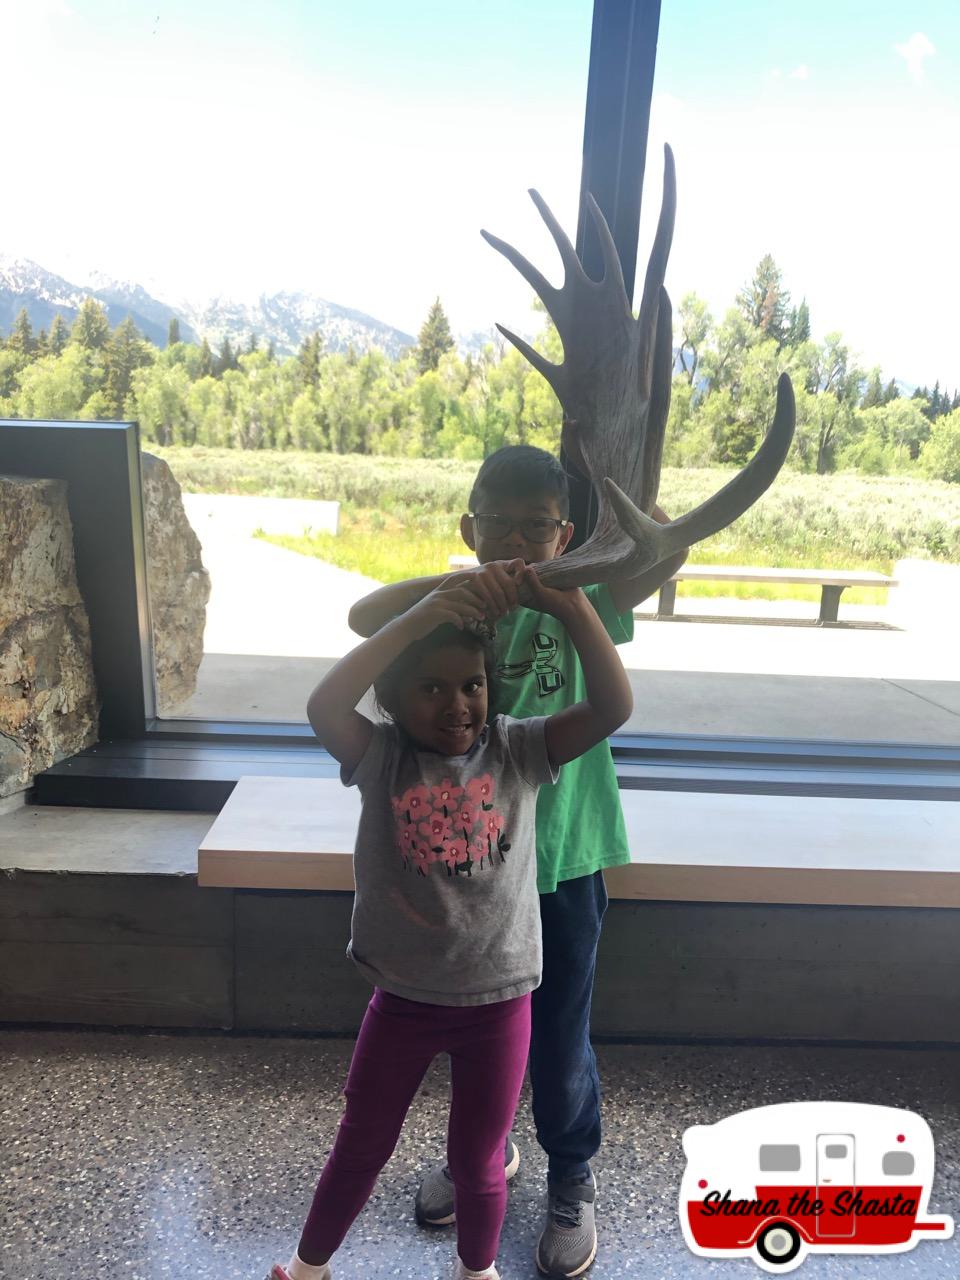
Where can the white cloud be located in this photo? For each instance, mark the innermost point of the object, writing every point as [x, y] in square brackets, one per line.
[913, 53]
[800, 73]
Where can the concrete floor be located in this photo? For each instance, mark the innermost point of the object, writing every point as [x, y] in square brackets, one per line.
[276, 621]
[193, 1157]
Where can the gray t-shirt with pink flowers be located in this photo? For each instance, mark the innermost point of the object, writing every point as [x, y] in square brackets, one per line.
[446, 908]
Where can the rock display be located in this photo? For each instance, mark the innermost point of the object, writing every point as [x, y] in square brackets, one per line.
[48, 698]
[178, 583]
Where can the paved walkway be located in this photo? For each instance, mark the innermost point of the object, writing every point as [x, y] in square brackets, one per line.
[277, 620]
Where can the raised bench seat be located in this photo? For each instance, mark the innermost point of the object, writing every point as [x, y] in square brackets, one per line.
[832, 582]
[298, 833]
[744, 917]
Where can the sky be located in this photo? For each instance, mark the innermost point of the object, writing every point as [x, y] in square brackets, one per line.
[355, 151]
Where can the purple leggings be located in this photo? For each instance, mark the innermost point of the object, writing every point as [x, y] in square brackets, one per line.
[398, 1040]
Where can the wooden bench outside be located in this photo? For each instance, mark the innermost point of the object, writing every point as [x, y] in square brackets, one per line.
[832, 582]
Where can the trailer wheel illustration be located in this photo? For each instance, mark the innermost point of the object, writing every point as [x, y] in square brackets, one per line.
[778, 1244]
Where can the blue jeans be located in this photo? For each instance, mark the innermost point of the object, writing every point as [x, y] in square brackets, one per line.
[563, 1068]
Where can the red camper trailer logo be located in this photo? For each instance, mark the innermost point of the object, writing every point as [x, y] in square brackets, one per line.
[776, 1183]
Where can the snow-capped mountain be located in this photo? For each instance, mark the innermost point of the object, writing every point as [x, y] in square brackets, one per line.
[283, 318]
[26, 284]
[287, 318]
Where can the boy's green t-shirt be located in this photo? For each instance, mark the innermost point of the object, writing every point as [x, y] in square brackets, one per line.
[580, 826]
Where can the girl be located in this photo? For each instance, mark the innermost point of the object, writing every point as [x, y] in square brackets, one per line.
[446, 915]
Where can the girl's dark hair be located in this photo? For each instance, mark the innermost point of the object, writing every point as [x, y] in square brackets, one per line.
[389, 683]
[521, 471]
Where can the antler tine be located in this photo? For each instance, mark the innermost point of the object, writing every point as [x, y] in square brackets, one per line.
[646, 533]
[727, 503]
[568, 255]
[535, 278]
[659, 406]
[539, 362]
[612, 270]
[657, 264]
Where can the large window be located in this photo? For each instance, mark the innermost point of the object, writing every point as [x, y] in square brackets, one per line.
[311, 346]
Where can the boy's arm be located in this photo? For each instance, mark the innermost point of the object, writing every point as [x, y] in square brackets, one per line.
[627, 592]
[609, 701]
[494, 584]
[368, 615]
[331, 708]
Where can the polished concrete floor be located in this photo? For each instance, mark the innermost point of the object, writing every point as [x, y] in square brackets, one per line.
[192, 1157]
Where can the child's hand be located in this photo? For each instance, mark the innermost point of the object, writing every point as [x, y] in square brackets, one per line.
[452, 601]
[495, 586]
[559, 604]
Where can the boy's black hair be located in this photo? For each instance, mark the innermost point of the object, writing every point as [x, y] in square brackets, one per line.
[520, 471]
[389, 682]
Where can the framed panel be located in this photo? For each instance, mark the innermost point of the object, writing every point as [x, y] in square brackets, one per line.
[100, 462]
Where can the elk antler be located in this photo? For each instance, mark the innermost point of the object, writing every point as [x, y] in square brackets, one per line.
[614, 389]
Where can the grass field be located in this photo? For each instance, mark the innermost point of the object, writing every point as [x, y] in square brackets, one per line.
[399, 518]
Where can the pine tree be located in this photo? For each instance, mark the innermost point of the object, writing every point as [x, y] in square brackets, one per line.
[205, 367]
[271, 351]
[798, 330]
[43, 344]
[173, 332]
[253, 342]
[58, 335]
[91, 329]
[225, 359]
[763, 301]
[891, 391]
[125, 353]
[21, 335]
[931, 409]
[309, 358]
[434, 339]
[873, 395]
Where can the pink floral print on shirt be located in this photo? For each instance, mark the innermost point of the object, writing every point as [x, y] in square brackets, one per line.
[440, 824]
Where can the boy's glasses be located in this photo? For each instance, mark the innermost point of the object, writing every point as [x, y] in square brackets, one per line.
[533, 528]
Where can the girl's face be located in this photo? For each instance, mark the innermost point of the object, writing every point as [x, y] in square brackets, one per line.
[443, 704]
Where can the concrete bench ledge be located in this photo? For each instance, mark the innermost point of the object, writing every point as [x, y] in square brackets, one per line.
[298, 833]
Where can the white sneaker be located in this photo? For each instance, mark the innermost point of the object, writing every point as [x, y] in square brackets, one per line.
[463, 1273]
[297, 1270]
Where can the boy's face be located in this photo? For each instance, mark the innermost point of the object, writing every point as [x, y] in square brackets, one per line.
[518, 542]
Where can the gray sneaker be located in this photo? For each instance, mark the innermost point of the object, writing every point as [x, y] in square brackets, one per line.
[568, 1244]
[434, 1205]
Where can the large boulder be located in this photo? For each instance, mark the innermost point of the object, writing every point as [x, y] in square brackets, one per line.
[48, 698]
[178, 583]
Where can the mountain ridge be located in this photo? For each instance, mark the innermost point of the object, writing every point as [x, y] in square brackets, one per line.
[284, 318]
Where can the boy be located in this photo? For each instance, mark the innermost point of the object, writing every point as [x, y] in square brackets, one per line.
[519, 508]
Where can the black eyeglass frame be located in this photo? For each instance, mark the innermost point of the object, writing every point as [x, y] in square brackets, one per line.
[518, 524]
